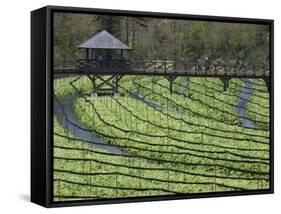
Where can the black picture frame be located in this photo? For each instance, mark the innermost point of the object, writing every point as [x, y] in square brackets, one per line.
[42, 104]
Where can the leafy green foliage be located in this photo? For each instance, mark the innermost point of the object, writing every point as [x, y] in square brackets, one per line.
[193, 147]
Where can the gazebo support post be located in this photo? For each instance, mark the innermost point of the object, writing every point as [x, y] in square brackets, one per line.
[87, 57]
[93, 80]
[92, 54]
[116, 90]
[94, 86]
[225, 81]
[171, 79]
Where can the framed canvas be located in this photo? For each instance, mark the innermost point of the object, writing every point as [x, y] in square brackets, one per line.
[141, 106]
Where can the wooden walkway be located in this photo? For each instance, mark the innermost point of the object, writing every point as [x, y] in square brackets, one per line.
[161, 68]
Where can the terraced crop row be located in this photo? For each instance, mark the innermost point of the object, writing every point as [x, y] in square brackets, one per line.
[189, 141]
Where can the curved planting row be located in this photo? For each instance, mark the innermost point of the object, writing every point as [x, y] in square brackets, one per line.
[171, 143]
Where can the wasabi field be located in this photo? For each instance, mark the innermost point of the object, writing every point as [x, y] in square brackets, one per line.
[149, 142]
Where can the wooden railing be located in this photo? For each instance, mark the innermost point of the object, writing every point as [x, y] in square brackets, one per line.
[161, 67]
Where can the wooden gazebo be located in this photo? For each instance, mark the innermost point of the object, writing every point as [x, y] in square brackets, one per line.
[99, 51]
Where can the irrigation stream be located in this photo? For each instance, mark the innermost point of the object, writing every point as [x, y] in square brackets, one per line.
[241, 109]
[67, 117]
[65, 109]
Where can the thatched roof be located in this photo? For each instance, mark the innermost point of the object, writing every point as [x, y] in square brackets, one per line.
[103, 40]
